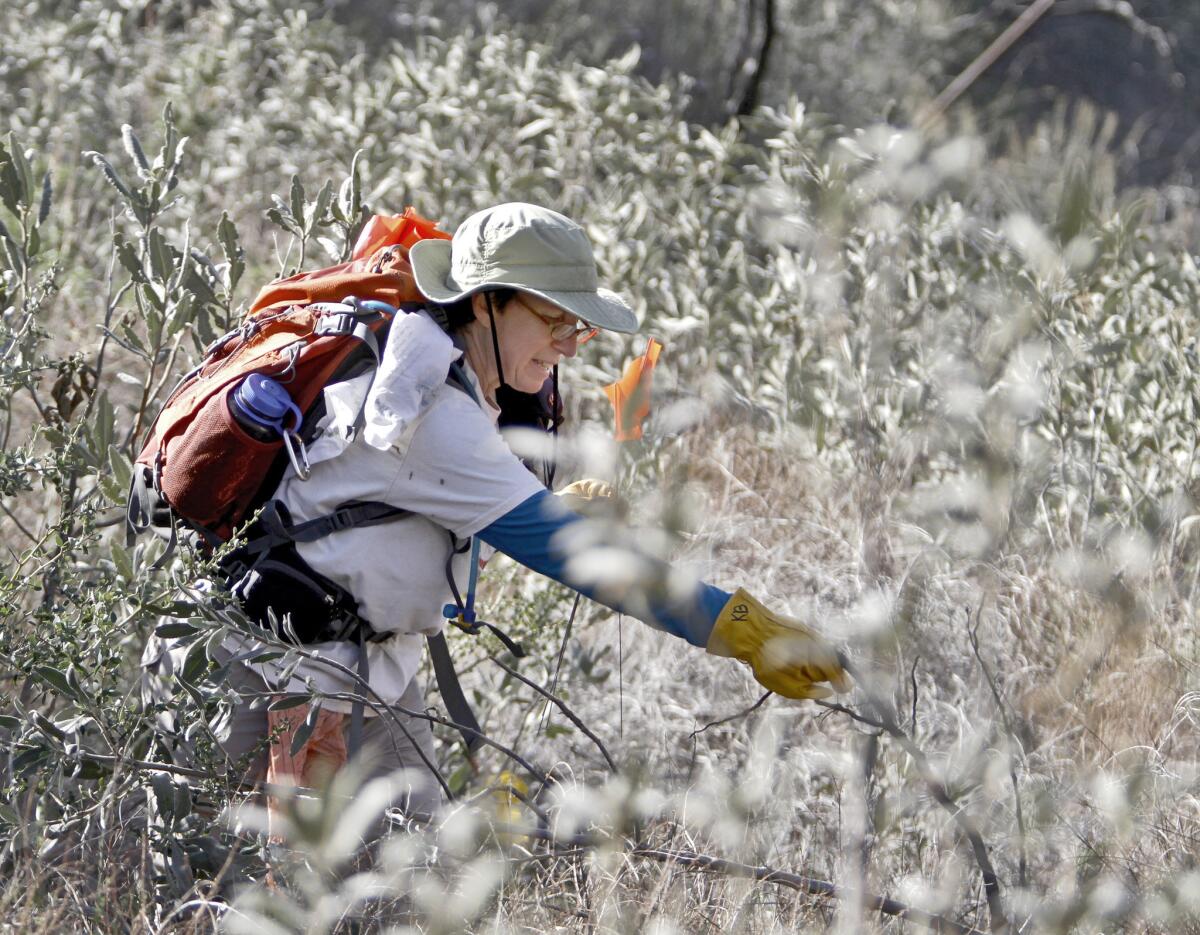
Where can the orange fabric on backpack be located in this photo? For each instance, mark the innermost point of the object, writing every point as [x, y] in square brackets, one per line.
[630, 395]
[188, 451]
[377, 269]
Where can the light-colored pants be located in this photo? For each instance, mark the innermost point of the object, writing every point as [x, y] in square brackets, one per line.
[386, 748]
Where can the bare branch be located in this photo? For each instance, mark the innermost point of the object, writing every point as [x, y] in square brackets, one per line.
[912, 677]
[733, 717]
[562, 706]
[973, 634]
[982, 63]
[803, 884]
[885, 718]
[755, 65]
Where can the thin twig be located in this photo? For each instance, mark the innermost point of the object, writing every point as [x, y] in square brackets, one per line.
[16, 522]
[461, 728]
[562, 650]
[886, 719]
[803, 884]
[912, 676]
[564, 708]
[851, 713]
[973, 635]
[986, 60]
[733, 717]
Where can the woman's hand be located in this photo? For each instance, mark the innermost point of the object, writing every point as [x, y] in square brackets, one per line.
[584, 496]
[786, 656]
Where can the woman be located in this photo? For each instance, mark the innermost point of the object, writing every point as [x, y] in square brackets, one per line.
[510, 297]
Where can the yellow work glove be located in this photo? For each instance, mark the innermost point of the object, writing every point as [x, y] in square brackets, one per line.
[587, 496]
[787, 657]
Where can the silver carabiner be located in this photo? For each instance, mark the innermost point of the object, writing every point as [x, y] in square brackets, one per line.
[297, 455]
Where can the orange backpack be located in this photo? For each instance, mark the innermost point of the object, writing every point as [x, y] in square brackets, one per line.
[305, 332]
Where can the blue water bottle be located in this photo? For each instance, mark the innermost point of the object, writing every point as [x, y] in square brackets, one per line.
[264, 409]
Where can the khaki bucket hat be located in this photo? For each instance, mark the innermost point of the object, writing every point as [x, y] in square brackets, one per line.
[524, 247]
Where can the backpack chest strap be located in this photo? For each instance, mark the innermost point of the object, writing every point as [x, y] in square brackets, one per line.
[277, 528]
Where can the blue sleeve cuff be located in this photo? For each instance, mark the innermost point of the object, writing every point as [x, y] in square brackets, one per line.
[528, 534]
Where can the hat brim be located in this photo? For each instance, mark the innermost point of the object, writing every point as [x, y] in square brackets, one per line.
[430, 260]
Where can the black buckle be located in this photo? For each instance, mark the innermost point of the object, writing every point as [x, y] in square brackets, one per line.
[340, 519]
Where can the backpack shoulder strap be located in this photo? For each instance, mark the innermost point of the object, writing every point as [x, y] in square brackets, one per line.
[277, 528]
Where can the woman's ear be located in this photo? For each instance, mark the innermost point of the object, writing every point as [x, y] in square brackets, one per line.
[480, 307]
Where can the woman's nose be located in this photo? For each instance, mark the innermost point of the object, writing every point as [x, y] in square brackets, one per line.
[567, 346]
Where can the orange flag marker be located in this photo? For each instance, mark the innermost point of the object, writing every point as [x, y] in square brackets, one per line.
[383, 230]
[630, 395]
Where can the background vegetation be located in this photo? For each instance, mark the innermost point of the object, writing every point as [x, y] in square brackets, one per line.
[936, 392]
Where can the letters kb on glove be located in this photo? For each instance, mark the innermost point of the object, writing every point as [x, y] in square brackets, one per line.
[786, 656]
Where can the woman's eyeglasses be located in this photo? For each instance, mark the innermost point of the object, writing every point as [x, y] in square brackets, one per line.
[563, 330]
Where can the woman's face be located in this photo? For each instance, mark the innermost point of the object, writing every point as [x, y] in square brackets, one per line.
[528, 349]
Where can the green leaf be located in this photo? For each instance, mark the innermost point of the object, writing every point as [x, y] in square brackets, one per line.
[214, 641]
[181, 261]
[28, 760]
[111, 488]
[73, 680]
[296, 197]
[304, 731]
[103, 427]
[123, 561]
[128, 258]
[234, 254]
[170, 138]
[174, 629]
[194, 663]
[110, 174]
[155, 302]
[134, 148]
[133, 340]
[286, 702]
[183, 800]
[162, 263]
[47, 726]
[164, 794]
[200, 287]
[24, 171]
[10, 182]
[279, 219]
[120, 466]
[457, 780]
[174, 609]
[55, 678]
[181, 314]
[320, 207]
[9, 722]
[16, 258]
[47, 197]
[354, 204]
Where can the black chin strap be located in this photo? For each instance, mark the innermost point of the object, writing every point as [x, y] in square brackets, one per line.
[487, 297]
[555, 420]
